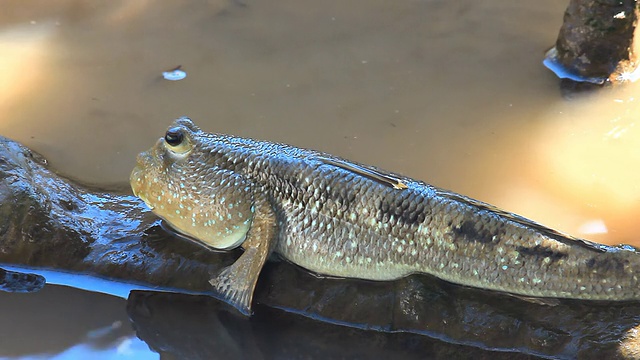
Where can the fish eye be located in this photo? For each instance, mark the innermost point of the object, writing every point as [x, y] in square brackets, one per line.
[177, 141]
[174, 136]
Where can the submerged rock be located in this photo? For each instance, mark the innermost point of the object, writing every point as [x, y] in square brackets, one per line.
[47, 221]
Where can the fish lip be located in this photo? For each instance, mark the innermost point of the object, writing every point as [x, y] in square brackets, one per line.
[138, 179]
[134, 180]
[137, 190]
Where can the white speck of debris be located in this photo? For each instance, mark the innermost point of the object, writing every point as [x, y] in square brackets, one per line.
[619, 15]
[174, 75]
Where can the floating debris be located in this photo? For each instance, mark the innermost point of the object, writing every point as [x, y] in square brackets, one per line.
[175, 74]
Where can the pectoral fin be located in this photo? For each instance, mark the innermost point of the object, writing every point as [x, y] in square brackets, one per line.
[236, 283]
[537, 300]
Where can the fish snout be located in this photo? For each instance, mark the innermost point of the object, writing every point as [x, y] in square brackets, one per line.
[137, 177]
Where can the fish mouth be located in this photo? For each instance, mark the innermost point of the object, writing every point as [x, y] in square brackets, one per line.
[136, 181]
[137, 178]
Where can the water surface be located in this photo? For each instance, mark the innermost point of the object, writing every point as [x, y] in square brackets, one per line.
[452, 93]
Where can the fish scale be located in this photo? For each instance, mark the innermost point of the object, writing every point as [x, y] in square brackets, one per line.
[340, 218]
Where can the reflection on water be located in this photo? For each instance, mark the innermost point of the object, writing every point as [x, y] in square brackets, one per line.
[64, 323]
[591, 150]
[24, 48]
[452, 93]
[126, 348]
[420, 317]
[191, 327]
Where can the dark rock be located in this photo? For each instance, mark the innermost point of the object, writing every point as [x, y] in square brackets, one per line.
[47, 221]
[596, 40]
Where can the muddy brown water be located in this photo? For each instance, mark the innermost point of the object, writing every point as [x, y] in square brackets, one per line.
[452, 93]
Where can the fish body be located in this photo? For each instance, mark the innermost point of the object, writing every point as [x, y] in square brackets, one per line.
[344, 219]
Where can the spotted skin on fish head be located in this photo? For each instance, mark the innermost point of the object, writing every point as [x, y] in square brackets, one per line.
[218, 214]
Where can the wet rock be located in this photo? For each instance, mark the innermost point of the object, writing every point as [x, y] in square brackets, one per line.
[47, 221]
[12, 281]
[596, 42]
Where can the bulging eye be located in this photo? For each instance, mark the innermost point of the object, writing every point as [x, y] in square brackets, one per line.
[177, 141]
[174, 136]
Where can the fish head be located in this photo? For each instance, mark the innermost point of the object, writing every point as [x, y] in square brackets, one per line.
[181, 184]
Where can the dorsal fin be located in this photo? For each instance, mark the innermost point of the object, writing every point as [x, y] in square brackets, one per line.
[548, 232]
[373, 174]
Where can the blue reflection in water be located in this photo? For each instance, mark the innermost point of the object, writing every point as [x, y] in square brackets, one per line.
[552, 63]
[84, 282]
[114, 341]
[127, 348]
